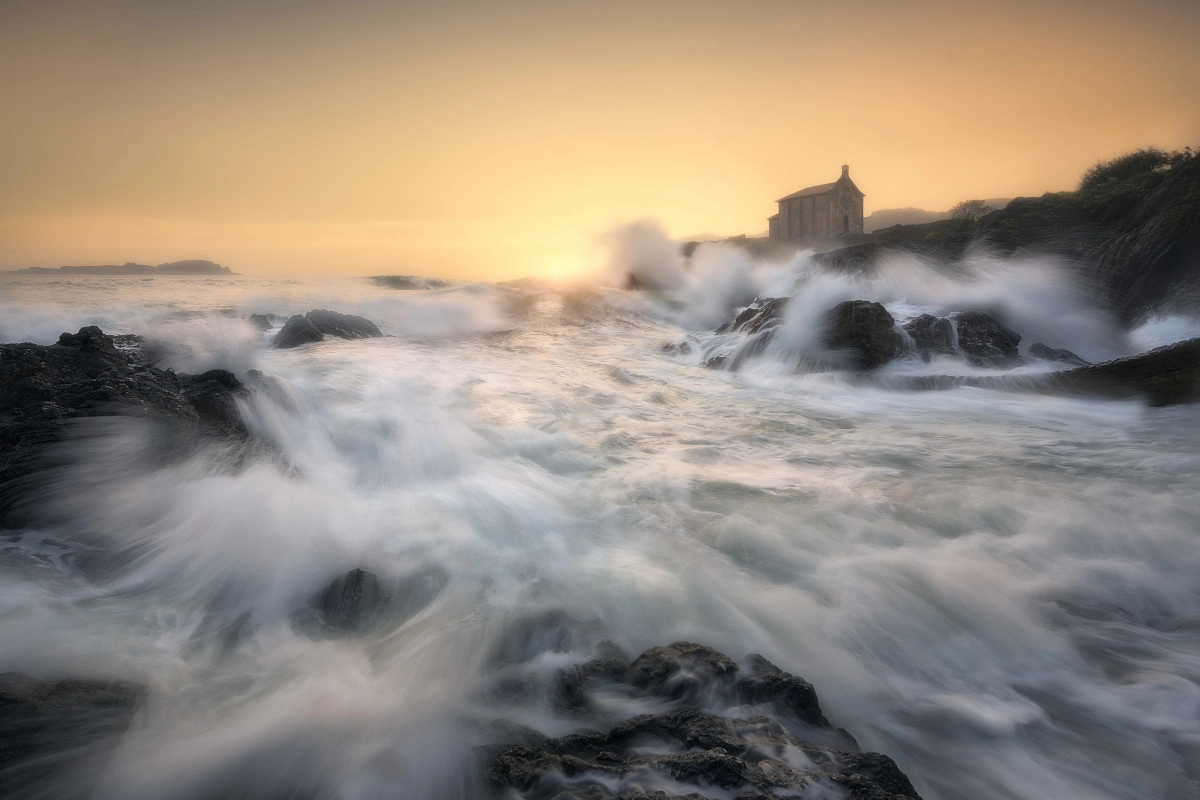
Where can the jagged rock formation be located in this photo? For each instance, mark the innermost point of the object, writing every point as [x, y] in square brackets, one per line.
[721, 729]
[43, 387]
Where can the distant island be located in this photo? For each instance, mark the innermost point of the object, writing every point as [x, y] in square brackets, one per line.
[192, 267]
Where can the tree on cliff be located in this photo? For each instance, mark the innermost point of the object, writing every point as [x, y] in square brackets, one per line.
[1123, 168]
[970, 210]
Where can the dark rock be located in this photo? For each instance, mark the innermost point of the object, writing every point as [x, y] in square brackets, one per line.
[931, 335]
[1135, 241]
[689, 743]
[353, 601]
[53, 735]
[985, 341]
[321, 322]
[1039, 350]
[1166, 376]
[677, 670]
[865, 331]
[767, 683]
[359, 601]
[213, 394]
[677, 348]
[296, 331]
[856, 258]
[43, 388]
[345, 326]
[757, 316]
[264, 322]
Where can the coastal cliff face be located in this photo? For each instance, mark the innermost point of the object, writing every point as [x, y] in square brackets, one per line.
[1135, 242]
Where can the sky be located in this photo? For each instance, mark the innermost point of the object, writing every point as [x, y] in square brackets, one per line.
[482, 139]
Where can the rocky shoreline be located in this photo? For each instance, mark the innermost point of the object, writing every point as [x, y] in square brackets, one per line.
[861, 336]
[722, 728]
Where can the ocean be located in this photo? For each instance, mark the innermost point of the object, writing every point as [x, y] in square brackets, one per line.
[1001, 591]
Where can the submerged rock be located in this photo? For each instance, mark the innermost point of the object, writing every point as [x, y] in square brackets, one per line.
[359, 601]
[865, 331]
[52, 735]
[719, 729]
[321, 322]
[43, 388]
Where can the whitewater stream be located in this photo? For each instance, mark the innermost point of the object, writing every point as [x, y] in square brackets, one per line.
[1000, 591]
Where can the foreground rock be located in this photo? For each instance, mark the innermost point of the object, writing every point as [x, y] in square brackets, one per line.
[319, 323]
[43, 388]
[719, 730]
[53, 736]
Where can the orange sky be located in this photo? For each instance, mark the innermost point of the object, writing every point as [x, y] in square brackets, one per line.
[485, 139]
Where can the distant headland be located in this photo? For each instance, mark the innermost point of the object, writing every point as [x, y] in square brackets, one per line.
[192, 267]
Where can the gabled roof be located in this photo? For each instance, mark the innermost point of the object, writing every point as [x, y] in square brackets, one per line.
[824, 188]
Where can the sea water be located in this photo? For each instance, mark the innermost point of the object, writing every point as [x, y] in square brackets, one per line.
[1001, 591]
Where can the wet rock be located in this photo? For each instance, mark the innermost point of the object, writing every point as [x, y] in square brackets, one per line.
[787, 694]
[756, 316]
[1166, 376]
[985, 341]
[359, 601]
[85, 374]
[718, 729]
[677, 348]
[296, 331]
[53, 735]
[865, 331]
[1039, 350]
[345, 326]
[214, 396]
[264, 322]
[353, 601]
[716, 362]
[931, 335]
[321, 322]
[852, 259]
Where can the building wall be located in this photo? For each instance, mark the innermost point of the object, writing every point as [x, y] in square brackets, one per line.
[820, 216]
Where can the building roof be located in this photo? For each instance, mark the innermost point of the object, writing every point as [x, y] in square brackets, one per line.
[824, 188]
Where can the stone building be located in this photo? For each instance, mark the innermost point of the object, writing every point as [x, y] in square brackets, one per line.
[827, 211]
